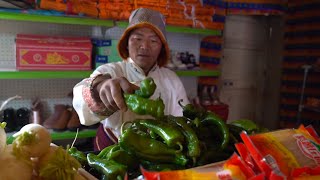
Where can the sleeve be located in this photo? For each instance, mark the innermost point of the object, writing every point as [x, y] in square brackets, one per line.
[86, 116]
[90, 111]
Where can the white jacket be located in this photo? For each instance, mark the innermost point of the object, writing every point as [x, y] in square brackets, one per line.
[169, 88]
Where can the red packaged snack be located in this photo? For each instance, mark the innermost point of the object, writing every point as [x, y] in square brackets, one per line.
[285, 154]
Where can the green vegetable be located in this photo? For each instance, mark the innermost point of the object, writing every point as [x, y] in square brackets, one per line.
[112, 150]
[142, 131]
[153, 135]
[178, 159]
[190, 136]
[213, 119]
[149, 149]
[121, 156]
[147, 88]
[78, 155]
[171, 135]
[145, 106]
[109, 168]
[58, 164]
[235, 132]
[104, 152]
[3, 125]
[246, 124]
[151, 166]
[207, 118]
[192, 112]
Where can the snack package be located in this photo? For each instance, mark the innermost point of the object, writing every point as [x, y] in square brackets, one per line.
[283, 154]
[277, 155]
[224, 170]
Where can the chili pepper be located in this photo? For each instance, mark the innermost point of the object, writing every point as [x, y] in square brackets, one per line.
[149, 149]
[145, 106]
[105, 151]
[132, 141]
[121, 156]
[192, 112]
[78, 155]
[139, 129]
[112, 150]
[246, 124]
[213, 119]
[171, 135]
[109, 168]
[178, 159]
[235, 132]
[152, 166]
[154, 135]
[147, 88]
[190, 135]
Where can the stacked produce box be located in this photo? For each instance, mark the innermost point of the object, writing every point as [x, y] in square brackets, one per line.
[191, 13]
[71, 7]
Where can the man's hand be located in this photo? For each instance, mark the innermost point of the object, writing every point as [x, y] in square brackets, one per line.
[111, 93]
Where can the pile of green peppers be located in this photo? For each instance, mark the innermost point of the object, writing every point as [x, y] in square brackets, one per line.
[183, 135]
[166, 142]
[111, 163]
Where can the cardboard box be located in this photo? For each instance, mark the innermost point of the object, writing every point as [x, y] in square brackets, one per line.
[35, 52]
[105, 51]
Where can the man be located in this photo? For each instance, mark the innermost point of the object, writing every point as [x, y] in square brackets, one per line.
[144, 50]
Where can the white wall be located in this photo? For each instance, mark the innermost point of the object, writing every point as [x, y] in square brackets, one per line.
[251, 68]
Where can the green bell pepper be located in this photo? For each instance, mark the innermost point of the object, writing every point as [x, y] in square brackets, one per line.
[147, 88]
[104, 152]
[109, 168]
[171, 135]
[78, 155]
[190, 136]
[145, 106]
[149, 149]
[192, 112]
[213, 119]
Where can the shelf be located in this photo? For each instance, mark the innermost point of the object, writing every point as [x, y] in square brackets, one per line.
[83, 74]
[43, 74]
[94, 22]
[56, 19]
[180, 29]
[63, 135]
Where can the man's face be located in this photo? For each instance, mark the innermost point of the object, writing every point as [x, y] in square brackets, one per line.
[144, 48]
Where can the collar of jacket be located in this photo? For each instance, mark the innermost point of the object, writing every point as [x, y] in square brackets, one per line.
[139, 70]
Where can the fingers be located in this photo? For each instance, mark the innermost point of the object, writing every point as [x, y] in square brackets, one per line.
[128, 87]
[117, 96]
[124, 87]
[106, 98]
[111, 93]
